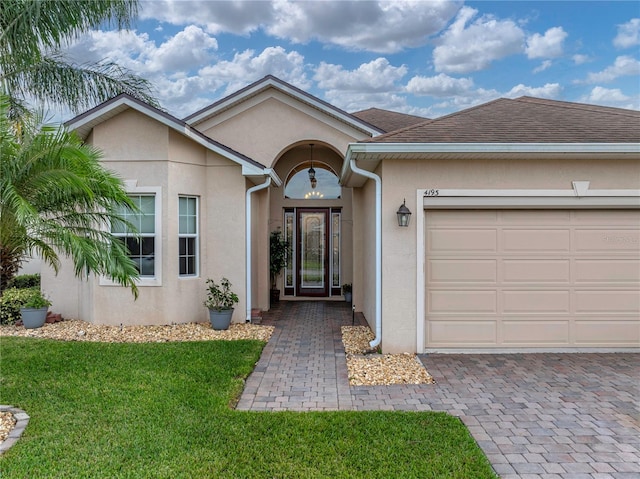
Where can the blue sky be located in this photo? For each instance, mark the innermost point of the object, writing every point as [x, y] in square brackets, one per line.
[426, 58]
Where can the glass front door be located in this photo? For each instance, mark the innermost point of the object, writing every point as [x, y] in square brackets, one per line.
[312, 253]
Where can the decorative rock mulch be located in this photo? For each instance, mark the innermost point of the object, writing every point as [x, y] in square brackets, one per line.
[7, 423]
[367, 369]
[76, 330]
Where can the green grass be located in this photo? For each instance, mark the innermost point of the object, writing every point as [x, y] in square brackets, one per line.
[162, 410]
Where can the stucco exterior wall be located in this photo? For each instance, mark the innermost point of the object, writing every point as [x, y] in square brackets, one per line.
[364, 251]
[265, 126]
[148, 155]
[402, 178]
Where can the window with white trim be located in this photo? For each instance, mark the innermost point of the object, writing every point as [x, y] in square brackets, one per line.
[141, 246]
[188, 235]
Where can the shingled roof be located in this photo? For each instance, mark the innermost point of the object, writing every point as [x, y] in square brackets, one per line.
[525, 120]
[387, 120]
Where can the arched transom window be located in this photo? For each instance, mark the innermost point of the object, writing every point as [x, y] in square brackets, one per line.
[299, 186]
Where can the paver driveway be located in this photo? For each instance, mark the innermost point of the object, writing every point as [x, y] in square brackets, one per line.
[549, 416]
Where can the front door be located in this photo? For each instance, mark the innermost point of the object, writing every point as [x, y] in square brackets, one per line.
[312, 252]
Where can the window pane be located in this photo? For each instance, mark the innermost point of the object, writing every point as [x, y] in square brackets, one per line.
[187, 225]
[335, 230]
[183, 202]
[147, 265]
[288, 235]
[148, 246]
[191, 265]
[147, 224]
[147, 205]
[183, 265]
[327, 187]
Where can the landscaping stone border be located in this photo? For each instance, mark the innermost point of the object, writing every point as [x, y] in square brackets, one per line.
[22, 419]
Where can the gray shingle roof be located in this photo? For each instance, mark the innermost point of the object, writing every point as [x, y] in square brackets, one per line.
[525, 120]
[387, 120]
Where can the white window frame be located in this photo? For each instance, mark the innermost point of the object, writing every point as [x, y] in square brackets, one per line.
[156, 280]
[195, 235]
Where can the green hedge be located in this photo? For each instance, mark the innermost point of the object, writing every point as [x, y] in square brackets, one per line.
[25, 281]
[11, 301]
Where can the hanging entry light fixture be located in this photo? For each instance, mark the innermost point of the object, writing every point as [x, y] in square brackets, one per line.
[312, 172]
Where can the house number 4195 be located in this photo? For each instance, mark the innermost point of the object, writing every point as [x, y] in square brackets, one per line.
[431, 192]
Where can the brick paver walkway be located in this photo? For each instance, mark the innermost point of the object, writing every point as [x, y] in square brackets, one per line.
[549, 416]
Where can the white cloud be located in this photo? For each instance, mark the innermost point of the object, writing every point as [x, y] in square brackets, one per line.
[611, 97]
[543, 66]
[623, 66]
[376, 76]
[247, 67]
[439, 86]
[187, 50]
[383, 26]
[549, 45]
[371, 84]
[355, 101]
[466, 47]
[628, 34]
[580, 59]
[380, 26]
[216, 16]
[549, 90]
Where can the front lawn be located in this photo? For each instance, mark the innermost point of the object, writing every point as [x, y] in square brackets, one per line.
[162, 410]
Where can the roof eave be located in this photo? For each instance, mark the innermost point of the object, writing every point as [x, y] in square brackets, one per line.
[84, 123]
[371, 154]
[304, 97]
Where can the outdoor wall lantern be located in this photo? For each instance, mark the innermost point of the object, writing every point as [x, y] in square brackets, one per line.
[404, 215]
[312, 172]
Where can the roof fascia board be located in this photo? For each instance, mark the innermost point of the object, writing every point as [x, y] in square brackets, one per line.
[386, 148]
[293, 92]
[248, 169]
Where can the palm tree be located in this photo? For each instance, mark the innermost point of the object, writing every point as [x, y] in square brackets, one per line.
[55, 197]
[32, 66]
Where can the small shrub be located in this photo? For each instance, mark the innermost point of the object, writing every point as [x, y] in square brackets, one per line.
[14, 298]
[25, 281]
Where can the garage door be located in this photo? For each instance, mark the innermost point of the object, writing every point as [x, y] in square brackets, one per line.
[527, 279]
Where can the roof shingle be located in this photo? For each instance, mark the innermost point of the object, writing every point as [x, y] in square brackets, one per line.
[387, 120]
[525, 120]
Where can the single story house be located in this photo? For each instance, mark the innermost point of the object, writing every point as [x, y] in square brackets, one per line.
[524, 231]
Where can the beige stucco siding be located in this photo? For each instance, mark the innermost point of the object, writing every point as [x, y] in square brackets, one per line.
[403, 178]
[152, 158]
[264, 127]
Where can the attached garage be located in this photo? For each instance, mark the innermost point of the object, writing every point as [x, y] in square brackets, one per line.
[525, 278]
[524, 234]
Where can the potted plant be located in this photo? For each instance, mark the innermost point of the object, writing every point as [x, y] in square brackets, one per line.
[33, 308]
[346, 291]
[220, 301]
[278, 253]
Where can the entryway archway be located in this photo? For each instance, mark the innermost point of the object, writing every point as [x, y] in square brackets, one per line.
[315, 218]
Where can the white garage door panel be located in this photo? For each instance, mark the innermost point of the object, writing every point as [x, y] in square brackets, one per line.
[531, 301]
[443, 301]
[455, 271]
[459, 240]
[607, 240]
[466, 332]
[536, 270]
[544, 239]
[519, 278]
[597, 333]
[516, 332]
[607, 301]
[607, 270]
